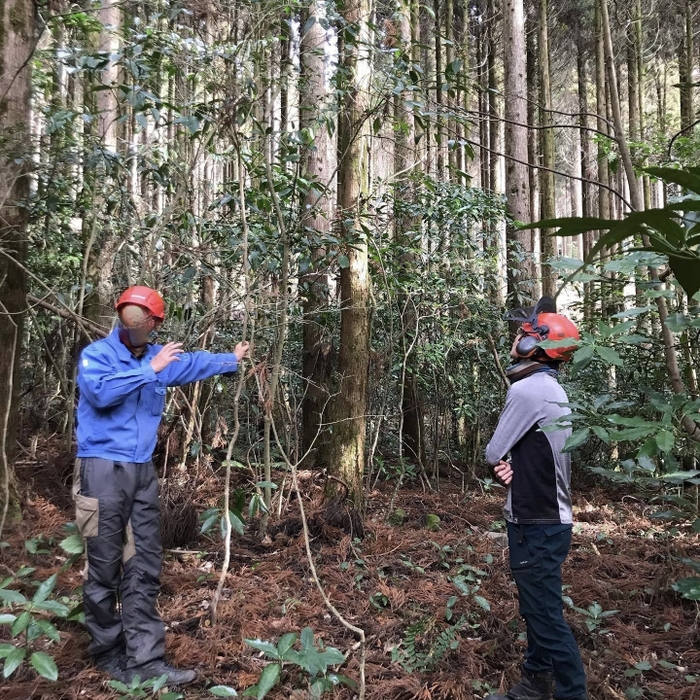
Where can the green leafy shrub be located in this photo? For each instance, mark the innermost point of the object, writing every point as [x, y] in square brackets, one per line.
[312, 658]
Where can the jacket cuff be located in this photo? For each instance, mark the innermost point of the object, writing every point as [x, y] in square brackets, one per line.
[228, 362]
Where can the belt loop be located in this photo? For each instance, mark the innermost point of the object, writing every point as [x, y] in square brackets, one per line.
[521, 533]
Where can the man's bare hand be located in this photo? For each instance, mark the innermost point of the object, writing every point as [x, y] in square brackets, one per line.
[503, 472]
[241, 350]
[170, 352]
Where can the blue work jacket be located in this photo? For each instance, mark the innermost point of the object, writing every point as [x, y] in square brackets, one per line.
[122, 398]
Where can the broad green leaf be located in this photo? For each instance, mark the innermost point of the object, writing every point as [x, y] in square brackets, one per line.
[576, 439]
[223, 691]
[609, 355]
[685, 179]
[307, 638]
[73, 544]
[49, 630]
[268, 679]
[623, 327]
[286, 642]
[13, 660]
[633, 433]
[687, 272]
[482, 603]
[266, 647]
[10, 596]
[646, 463]
[630, 422]
[6, 650]
[583, 353]
[266, 484]
[44, 590]
[636, 311]
[53, 606]
[572, 226]
[44, 665]
[7, 619]
[665, 440]
[601, 432]
[21, 623]
[679, 477]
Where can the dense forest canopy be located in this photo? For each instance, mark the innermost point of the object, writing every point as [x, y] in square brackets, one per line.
[352, 186]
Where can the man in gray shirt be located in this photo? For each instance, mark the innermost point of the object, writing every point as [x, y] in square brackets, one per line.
[538, 506]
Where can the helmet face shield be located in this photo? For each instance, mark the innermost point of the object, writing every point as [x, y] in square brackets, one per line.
[139, 324]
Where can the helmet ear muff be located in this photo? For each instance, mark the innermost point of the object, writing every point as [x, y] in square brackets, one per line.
[526, 346]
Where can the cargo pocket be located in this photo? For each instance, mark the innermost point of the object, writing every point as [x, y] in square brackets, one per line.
[87, 515]
[158, 401]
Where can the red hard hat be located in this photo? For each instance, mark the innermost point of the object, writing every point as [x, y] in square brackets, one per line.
[550, 326]
[146, 298]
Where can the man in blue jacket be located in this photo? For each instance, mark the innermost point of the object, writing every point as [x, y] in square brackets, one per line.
[538, 507]
[122, 380]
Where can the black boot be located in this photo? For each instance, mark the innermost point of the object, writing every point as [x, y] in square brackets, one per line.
[114, 665]
[533, 686]
[158, 668]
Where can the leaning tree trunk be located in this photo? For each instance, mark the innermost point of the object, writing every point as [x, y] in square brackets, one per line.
[347, 441]
[520, 262]
[16, 48]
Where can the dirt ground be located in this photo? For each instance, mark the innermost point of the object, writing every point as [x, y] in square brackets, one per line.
[437, 605]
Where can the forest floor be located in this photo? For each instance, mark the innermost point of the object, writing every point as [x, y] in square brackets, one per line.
[438, 606]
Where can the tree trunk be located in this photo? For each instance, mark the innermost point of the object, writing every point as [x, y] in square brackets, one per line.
[452, 90]
[97, 303]
[347, 443]
[16, 47]
[601, 126]
[548, 207]
[585, 151]
[406, 231]
[482, 75]
[685, 67]
[494, 123]
[439, 96]
[318, 169]
[520, 263]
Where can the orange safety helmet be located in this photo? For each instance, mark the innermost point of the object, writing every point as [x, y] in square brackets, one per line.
[548, 326]
[146, 298]
[543, 323]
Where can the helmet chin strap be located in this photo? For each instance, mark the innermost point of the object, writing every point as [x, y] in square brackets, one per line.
[524, 368]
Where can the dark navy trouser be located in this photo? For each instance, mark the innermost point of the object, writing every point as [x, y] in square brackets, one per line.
[536, 555]
[118, 514]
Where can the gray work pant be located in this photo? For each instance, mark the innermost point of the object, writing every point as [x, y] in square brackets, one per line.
[118, 514]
